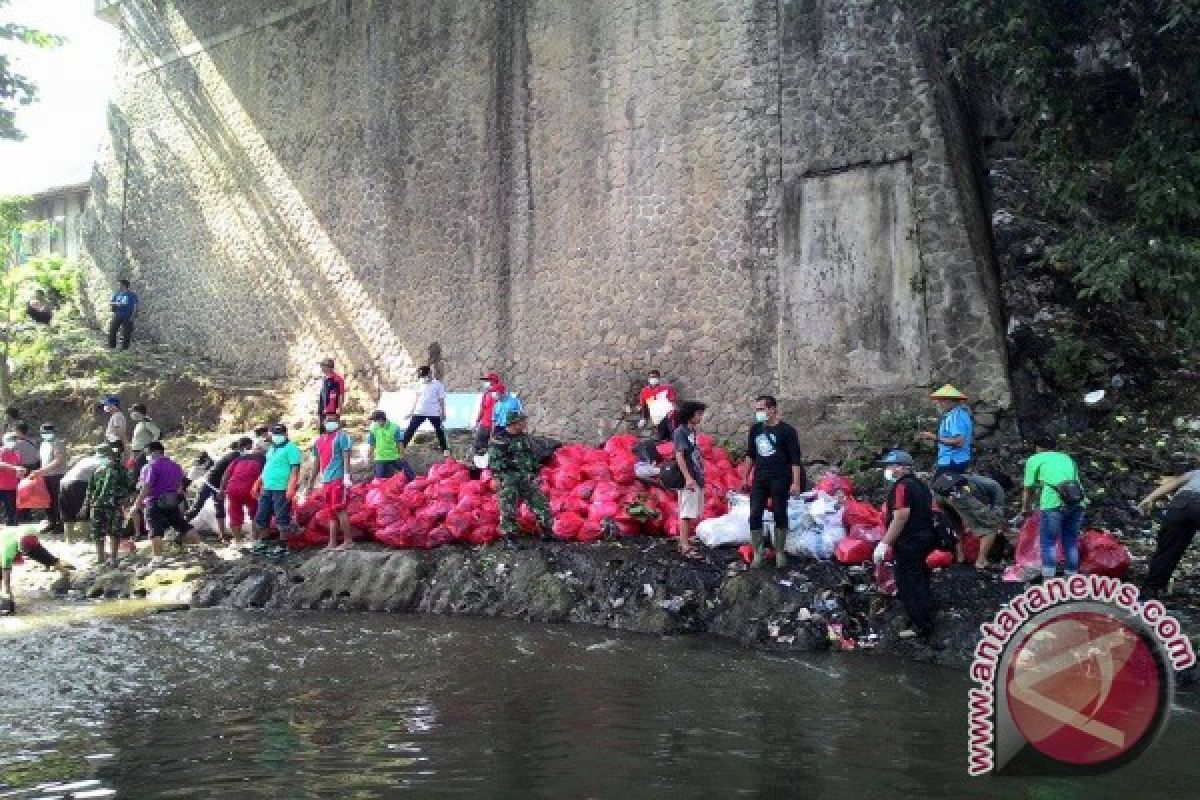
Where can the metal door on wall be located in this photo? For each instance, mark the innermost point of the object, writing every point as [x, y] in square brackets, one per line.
[852, 301]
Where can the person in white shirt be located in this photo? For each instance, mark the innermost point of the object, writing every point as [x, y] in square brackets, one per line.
[430, 406]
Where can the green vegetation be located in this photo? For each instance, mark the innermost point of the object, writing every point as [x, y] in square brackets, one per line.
[15, 89]
[1104, 99]
[891, 429]
[1072, 363]
[26, 351]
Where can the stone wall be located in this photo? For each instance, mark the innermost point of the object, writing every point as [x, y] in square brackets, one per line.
[751, 195]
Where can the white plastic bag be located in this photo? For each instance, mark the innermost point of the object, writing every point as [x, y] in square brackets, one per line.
[732, 528]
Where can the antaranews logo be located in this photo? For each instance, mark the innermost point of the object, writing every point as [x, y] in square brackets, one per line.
[1075, 676]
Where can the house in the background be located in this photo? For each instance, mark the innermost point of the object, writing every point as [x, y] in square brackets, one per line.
[62, 208]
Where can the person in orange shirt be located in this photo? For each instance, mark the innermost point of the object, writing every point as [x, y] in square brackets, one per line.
[654, 390]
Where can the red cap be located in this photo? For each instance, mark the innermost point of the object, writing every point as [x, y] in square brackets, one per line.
[491, 377]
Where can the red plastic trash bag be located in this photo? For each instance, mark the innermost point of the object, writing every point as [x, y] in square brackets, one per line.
[939, 559]
[1029, 548]
[871, 534]
[1101, 554]
[831, 483]
[885, 579]
[567, 525]
[622, 443]
[852, 551]
[970, 544]
[32, 494]
[860, 513]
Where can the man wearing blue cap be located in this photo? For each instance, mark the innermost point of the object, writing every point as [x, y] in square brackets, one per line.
[116, 432]
[908, 515]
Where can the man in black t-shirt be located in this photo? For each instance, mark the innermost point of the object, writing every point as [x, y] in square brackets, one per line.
[908, 515]
[211, 488]
[774, 448]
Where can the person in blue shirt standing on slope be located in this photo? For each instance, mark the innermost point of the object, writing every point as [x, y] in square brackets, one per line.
[955, 434]
[124, 305]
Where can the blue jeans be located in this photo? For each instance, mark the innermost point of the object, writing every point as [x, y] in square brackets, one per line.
[386, 469]
[274, 503]
[1059, 524]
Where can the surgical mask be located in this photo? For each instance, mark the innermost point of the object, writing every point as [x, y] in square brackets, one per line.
[331, 425]
[249, 451]
[104, 462]
[891, 475]
[426, 379]
[278, 438]
[760, 416]
[486, 386]
[652, 381]
[47, 437]
[136, 416]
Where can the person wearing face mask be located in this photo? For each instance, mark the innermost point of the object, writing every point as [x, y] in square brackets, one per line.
[237, 485]
[332, 454]
[385, 443]
[278, 482]
[654, 392]
[429, 406]
[773, 448]
[53, 459]
[145, 431]
[108, 488]
[11, 473]
[161, 498]
[116, 431]
[908, 515]
[493, 387]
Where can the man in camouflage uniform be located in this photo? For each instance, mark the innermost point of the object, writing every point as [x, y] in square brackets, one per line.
[515, 468]
[108, 489]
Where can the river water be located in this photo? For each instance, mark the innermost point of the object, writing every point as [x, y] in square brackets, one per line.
[221, 704]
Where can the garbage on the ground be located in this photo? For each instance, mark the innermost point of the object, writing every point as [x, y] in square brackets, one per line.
[820, 529]
[885, 578]
[1092, 398]
[590, 490]
[1100, 553]
[939, 559]
[852, 551]
[733, 527]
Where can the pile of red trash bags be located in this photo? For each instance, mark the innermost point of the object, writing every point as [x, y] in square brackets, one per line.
[585, 487]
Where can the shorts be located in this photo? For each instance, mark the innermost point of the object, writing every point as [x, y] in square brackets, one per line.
[71, 497]
[335, 495]
[691, 503]
[240, 505]
[160, 520]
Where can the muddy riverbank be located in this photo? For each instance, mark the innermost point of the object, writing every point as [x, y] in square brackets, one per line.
[638, 585]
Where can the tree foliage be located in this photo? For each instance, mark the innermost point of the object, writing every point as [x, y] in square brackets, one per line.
[16, 90]
[1105, 96]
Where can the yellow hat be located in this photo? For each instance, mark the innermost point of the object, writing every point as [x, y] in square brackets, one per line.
[948, 392]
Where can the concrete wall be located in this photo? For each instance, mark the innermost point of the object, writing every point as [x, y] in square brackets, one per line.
[751, 195]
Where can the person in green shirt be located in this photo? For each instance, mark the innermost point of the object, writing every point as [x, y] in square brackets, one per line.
[1049, 475]
[14, 544]
[280, 477]
[385, 448]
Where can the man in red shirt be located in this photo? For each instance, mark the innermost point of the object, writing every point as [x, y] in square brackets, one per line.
[493, 387]
[333, 392]
[656, 390]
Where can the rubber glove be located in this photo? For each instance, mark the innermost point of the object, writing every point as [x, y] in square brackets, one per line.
[346, 481]
[880, 552]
